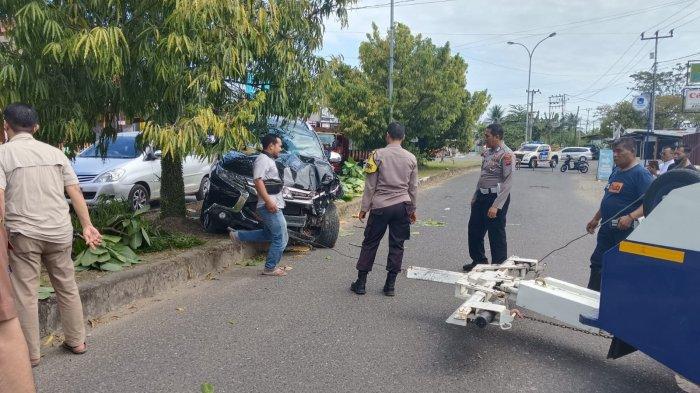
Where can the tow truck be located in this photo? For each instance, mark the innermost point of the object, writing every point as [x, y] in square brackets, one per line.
[649, 299]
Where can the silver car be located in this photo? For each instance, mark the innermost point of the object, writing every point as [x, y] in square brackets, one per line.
[127, 172]
[576, 153]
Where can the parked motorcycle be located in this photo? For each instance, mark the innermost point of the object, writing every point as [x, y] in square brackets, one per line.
[580, 165]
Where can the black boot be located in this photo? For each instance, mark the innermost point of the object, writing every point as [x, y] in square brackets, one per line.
[389, 284]
[359, 285]
[469, 266]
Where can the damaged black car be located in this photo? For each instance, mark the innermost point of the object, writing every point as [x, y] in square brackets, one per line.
[310, 188]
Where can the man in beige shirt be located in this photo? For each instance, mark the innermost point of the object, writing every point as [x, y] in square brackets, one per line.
[33, 179]
[391, 188]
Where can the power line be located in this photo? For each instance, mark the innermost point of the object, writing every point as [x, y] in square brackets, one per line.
[680, 58]
[587, 21]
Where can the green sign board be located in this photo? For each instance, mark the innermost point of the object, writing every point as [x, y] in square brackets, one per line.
[694, 74]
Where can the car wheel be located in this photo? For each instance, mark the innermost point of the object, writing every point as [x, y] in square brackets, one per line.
[203, 188]
[583, 158]
[665, 183]
[139, 197]
[533, 163]
[327, 233]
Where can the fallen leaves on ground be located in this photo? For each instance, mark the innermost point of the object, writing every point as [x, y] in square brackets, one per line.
[429, 222]
[180, 309]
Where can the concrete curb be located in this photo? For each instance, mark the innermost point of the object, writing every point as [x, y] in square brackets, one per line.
[115, 290]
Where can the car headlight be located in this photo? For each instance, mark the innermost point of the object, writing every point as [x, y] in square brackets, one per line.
[111, 176]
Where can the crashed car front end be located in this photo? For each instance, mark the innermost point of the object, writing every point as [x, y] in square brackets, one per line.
[232, 198]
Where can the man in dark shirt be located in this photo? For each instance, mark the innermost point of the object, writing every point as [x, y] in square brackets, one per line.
[621, 204]
[680, 159]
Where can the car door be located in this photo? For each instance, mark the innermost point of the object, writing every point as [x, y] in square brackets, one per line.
[193, 170]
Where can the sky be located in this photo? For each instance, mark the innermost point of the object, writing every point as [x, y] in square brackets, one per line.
[596, 47]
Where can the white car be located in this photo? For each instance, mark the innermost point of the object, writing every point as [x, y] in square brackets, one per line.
[129, 173]
[576, 153]
[536, 154]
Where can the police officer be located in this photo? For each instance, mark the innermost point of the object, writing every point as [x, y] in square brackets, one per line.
[490, 201]
[391, 187]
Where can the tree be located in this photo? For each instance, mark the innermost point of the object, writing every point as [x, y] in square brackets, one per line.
[430, 96]
[179, 66]
[667, 82]
[514, 126]
[621, 114]
[495, 114]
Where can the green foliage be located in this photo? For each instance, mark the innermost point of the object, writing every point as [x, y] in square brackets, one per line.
[430, 96]
[352, 179]
[207, 388]
[44, 292]
[162, 240]
[179, 66]
[124, 233]
[621, 114]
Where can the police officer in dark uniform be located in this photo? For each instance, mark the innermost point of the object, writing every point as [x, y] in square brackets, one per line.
[490, 201]
[391, 188]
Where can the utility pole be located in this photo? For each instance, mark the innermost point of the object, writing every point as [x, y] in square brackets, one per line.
[652, 102]
[530, 112]
[588, 110]
[578, 135]
[392, 42]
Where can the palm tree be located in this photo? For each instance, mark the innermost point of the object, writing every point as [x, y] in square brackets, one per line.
[496, 114]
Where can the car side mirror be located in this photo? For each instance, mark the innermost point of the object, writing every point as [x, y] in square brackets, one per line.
[335, 158]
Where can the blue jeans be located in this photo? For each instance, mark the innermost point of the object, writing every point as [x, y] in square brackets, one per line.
[274, 232]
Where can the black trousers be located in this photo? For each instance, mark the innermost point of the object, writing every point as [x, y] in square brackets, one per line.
[396, 218]
[608, 237]
[480, 223]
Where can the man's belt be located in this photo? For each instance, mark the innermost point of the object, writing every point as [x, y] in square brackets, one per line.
[491, 190]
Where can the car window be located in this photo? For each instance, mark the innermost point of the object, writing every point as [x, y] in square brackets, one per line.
[529, 148]
[299, 141]
[120, 147]
[565, 150]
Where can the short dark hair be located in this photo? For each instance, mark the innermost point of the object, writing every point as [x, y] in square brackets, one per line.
[269, 139]
[654, 164]
[21, 117]
[496, 130]
[626, 143]
[686, 148]
[396, 131]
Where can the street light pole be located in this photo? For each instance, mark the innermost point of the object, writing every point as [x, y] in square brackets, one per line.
[529, 105]
[391, 63]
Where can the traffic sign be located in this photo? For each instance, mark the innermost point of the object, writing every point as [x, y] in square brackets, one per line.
[691, 100]
[694, 73]
[641, 102]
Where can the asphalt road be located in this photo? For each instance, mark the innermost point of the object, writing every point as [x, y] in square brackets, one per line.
[306, 332]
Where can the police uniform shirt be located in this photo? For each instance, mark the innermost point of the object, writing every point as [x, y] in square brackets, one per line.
[391, 178]
[496, 174]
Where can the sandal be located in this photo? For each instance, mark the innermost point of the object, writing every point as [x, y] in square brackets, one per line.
[75, 350]
[274, 272]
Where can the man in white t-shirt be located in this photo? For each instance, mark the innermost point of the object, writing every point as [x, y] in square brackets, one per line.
[666, 160]
[270, 205]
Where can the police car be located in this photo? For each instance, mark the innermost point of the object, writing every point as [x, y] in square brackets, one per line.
[536, 154]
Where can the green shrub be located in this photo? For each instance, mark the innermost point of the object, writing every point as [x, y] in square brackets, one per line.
[352, 179]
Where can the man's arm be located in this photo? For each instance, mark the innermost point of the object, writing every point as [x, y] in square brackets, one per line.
[262, 194]
[91, 235]
[371, 177]
[507, 167]
[2, 205]
[593, 224]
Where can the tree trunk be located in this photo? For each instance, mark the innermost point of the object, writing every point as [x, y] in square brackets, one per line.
[172, 188]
